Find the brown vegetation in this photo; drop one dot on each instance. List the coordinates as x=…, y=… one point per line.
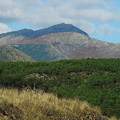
x=31, y=105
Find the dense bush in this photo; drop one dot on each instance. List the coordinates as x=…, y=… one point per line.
x=96, y=81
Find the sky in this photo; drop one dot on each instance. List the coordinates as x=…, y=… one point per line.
x=99, y=18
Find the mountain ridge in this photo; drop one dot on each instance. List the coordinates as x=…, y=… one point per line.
x=61, y=41
x=52, y=29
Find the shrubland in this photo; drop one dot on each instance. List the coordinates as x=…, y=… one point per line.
x=96, y=81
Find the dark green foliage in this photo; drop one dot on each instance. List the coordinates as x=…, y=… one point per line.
x=96, y=81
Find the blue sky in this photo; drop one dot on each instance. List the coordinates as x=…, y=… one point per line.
x=99, y=18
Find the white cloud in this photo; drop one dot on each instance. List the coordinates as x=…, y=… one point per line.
x=9, y=10
x=4, y=28
x=100, y=15
x=83, y=13
x=25, y=10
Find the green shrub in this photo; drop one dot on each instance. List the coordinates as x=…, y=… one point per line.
x=94, y=80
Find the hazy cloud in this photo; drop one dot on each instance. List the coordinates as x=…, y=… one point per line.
x=4, y=28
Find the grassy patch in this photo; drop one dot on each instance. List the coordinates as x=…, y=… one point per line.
x=31, y=105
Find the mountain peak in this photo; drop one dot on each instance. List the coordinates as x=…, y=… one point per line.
x=62, y=27
x=64, y=24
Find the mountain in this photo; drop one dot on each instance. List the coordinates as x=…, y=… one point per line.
x=11, y=54
x=28, y=33
x=61, y=41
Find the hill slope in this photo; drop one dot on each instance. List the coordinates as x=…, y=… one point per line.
x=68, y=46
x=11, y=54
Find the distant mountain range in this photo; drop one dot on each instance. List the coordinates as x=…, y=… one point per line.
x=62, y=41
